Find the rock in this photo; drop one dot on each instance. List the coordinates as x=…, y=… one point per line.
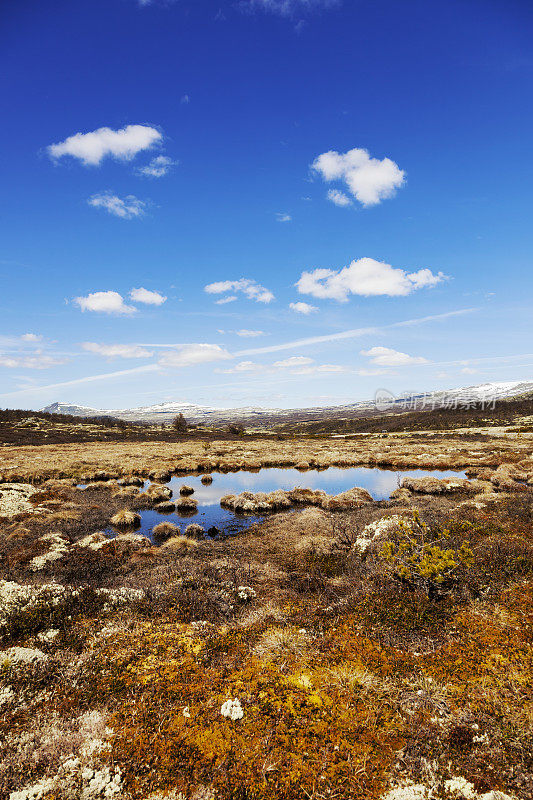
x=206, y=479
x=186, y=490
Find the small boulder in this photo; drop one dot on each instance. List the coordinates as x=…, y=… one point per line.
x=186, y=490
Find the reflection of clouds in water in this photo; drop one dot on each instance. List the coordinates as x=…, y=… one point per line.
x=379, y=482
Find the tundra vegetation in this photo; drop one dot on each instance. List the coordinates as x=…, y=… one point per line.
x=343, y=648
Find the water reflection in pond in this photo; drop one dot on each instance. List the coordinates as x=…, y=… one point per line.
x=379, y=482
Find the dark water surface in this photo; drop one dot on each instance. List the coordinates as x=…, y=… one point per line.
x=379, y=482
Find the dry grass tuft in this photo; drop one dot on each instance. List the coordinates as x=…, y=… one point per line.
x=126, y=519
x=165, y=530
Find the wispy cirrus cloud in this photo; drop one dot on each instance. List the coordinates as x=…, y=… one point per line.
x=92, y=147
x=117, y=350
x=38, y=360
x=129, y=207
x=370, y=180
x=158, y=167
x=366, y=277
x=288, y=8
x=188, y=355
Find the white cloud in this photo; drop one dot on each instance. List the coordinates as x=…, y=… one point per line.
x=223, y=300
x=321, y=368
x=31, y=337
x=146, y=296
x=287, y=8
x=293, y=361
x=128, y=207
x=244, y=332
x=37, y=361
x=368, y=179
x=243, y=366
x=386, y=357
x=283, y=217
x=187, y=355
x=105, y=302
x=468, y=371
x=366, y=277
x=303, y=308
x=339, y=198
x=92, y=147
x=371, y=372
x=251, y=289
x=185, y=100
x=117, y=350
x=157, y=167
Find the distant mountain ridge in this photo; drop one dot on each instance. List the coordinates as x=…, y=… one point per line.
x=384, y=403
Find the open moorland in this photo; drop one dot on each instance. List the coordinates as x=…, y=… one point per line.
x=341, y=648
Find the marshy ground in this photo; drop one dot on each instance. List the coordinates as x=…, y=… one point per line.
x=383, y=650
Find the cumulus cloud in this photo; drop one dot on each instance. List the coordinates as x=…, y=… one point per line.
x=157, y=167
x=146, y=296
x=369, y=180
x=188, y=355
x=104, y=302
x=293, y=361
x=365, y=277
x=288, y=8
x=229, y=299
x=339, y=198
x=303, y=308
x=117, y=350
x=386, y=357
x=128, y=207
x=90, y=148
x=251, y=289
x=283, y=217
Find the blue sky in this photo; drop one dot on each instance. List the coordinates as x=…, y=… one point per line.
x=351, y=179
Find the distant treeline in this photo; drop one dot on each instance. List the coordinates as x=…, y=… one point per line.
x=506, y=412
x=19, y=414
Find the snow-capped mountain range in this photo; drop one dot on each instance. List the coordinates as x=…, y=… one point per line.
x=384, y=402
